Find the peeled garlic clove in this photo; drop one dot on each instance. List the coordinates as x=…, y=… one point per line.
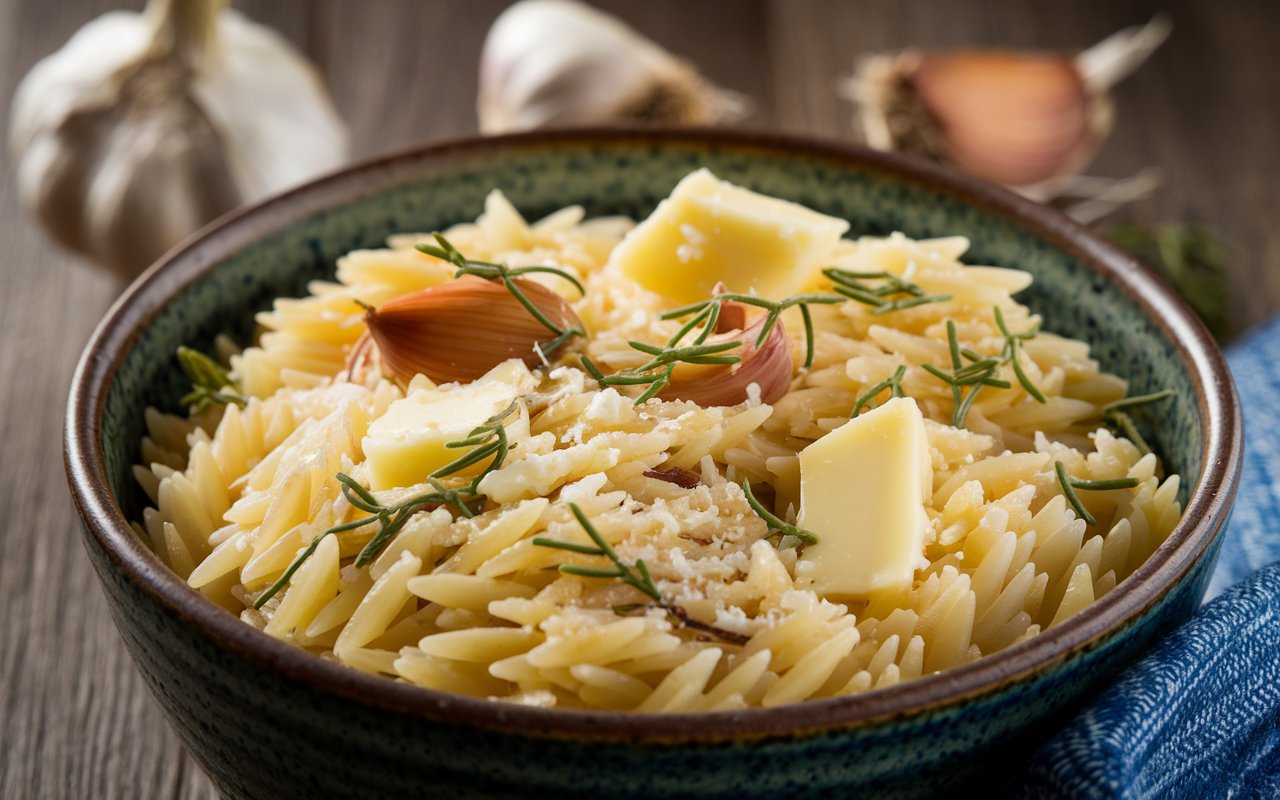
x=559, y=62
x=1027, y=120
x=768, y=366
x=458, y=331
x=146, y=126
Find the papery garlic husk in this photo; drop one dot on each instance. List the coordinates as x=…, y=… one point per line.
x=768, y=366
x=458, y=331
x=551, y=63
x=143, y=127
x=1030, y=121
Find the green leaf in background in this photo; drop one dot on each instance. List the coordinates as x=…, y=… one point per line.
x=1191, y=258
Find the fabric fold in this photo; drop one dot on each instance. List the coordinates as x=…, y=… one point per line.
x=1199, y=717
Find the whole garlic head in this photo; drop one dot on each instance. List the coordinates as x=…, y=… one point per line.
x=143, y=127
x=1028, y=120
x=559, y=62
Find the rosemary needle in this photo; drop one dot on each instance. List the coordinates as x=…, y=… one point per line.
x=209, y=382
x=1137, y=400
x=792, y=536
x=773, y=312
x=883, y=291
x=1012, y=348
x=892, y=383
x=1070, y=485
x=634, y=575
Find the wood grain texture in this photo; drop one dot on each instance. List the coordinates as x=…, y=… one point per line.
x=75, y=719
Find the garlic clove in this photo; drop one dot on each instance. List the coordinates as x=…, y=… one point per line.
x=560, y=62
x=458, y=331
x=768, y=366
x=1028, y=120
x=146, y=126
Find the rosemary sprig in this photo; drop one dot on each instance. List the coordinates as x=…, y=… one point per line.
x=980, y=372
x=390, y=518
x=1070, y=485
x=657, y=371
x=792, y=536
x=209, y=382
x=893, y=383
x=635, y=575
x=489, y=439
x=773, y=312
x=1012, y=348
x=500, y=272
x=1117, y=413
x=883, y=291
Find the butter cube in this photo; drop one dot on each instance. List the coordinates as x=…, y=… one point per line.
x=407, y=443
x=862, y=492
x=710, y=231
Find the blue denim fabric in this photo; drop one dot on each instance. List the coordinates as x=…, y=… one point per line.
x=1200, y=716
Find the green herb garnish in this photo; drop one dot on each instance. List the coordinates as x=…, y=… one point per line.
x=489, y=439
x=209, y=382
x=1117, y=413
x=657, y=371
x=774, y=311
x=792, y=536
x=500, y=272
x=1193, y=259
x=893, y=383
x=634, y=575
x=1012, y=348
x=1070, y=485
x=978, y=373
x=1136, y=400
x=883, y=291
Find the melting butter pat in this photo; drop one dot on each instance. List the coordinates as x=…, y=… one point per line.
x=407, y=443
x=709, y=231
x=862, y=492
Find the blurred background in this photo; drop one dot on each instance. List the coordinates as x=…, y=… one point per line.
x=1191, y=173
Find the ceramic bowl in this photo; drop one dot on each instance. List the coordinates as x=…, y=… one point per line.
x=267, y=720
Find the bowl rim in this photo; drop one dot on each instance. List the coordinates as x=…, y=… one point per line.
x=200, y=254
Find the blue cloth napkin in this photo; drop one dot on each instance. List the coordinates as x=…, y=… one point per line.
x=1200, y=716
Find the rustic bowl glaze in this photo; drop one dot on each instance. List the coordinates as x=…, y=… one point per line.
x=265, y=719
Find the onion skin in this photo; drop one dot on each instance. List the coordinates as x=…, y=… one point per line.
x=768, y=366
x=458, y=331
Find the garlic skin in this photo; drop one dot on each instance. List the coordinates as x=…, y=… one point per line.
x=1030, y=121
x=551, y=63
x=144, y=127
x=457, y=331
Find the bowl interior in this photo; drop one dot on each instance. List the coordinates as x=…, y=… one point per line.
x=292, y=244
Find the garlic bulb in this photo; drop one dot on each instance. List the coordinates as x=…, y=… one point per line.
x=559, y=62
x=459, y=330
x=143, y=127
x=1028, y=120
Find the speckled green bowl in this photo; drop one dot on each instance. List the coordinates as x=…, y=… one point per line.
x=267, y=720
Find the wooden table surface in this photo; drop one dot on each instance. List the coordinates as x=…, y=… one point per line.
x=75, y=718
